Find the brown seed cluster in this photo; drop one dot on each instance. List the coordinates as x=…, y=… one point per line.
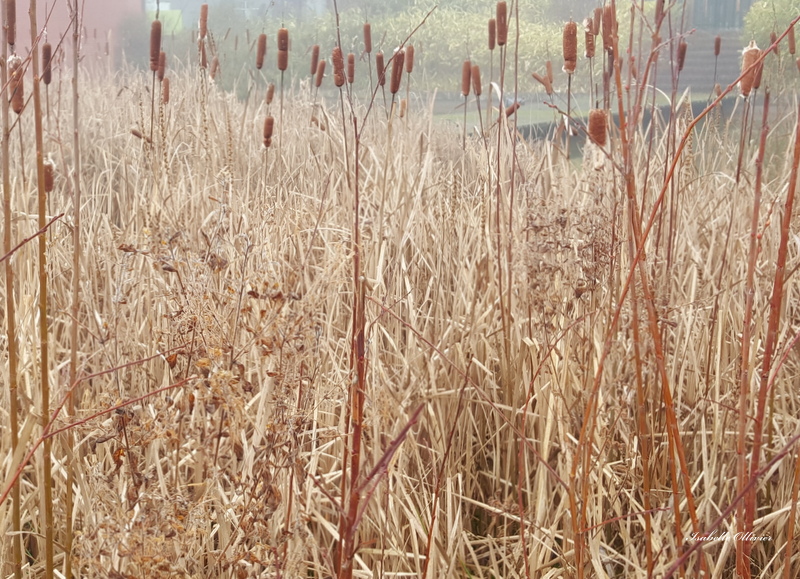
x=351, y=68
x=409, y=58
x=338, y=66
x=270, y=94
x=588, y=38
x=570, y=46
x=381, y=66
x=261, y=50
x=162, y=66
x=609, y=25
x=367, y=38
x=476, y=80
x=597, y=126
x=501, y=15
x=283, y=49
x=466, y=76
x=15, y=84
x=11, y=21
x=165, y=91
x=790, y=37
x=155, y=44
x=682, y=47
x=749, y=56
x=47, y=60
x=320, y=73
x=397, y=70
x=492, y=33
x=717, y=45
x=203, y=21
x=269, y=125
x=314, y=59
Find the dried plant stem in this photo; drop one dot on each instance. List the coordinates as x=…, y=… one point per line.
x=787, y=558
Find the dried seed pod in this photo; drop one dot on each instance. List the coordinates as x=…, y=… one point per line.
x=749, y=56
x=155, y=44
x=270, y=94
x=717, y=45
x=758, y=74
x=588, y=39
x=476, y=80
x=314, y=59
x=47, y=60
x=792, y=46
x=570, y=46
x=502, y=23
x=203, y=21
x=682, y=47
x=797, y=62
x=609, y=26
x=214, y=67
x=403, y=106
x=718, y=90
x=261, y=50
x=397, y=70
x=11, y=21
x=201, y=46
x=380, y=65
x=367, y=38
x=548, y=67
x=283, y=60
x=543, y=80
x=466, y=77
x=773, y=37
x=162, y=65
x=409, y=58
x=492, y=33
x=165, y=90
x=283, y=39
x=15, y=84
x=351, y=67
x=48, y=176
x=338, y=66
x=513, y=108
x=320, y=73
x=269, y=125
x=597, y=20
x=597, y=126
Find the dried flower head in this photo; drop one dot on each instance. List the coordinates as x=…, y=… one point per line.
x=570, y=46
x=466, y=77
x=749, y=57
x=338, y=66
x=502, y=23
x=261, y=50
x=367, y=38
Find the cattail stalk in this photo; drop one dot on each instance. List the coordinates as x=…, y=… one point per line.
x=269, y=125
x=717, y=50
x=162, y=65
x=570, y=53
x=492, y=43
x=380, y=69
x=16, y=85
x=682, y=47
x=338, y=67
x=409, y=64
x=368, y=49
x=791, y=41
x=283, y=63
x=155, y=52
x=397, y=76
x=466, y=81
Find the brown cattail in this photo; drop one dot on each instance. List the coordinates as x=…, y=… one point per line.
x=261, y=50
x=351, y=67
x=397, y=70
x=492, y=33
x=314, y=59
x=570, y=46
x=513, y=108
x=269, y=125
x=717, y=45
x=283, y=39
x=718, y=90
x=797, y=62
x=609, y=25
x=588, y=38
x=466, y=77
x=410, y=58
x=165, y=90
x=270, y=94
x=367, y=38
x=758, y=74
x=283, y=60
x=338, y=66
x=545, y=82
x=201, y=45
x=597, y=126
x=790, y=37
x=162, y=65
x=15, y=84
x=47, y=60
x=320, y=73
x=11, y=21
x=203, y=21
x=403, y=106
x=379, y=64
x=773, y=37
x=502, y=23
x=476, y=80
x=597, y=20
x=749, y=56
x=682, y=46
x=49, y=168
x=155, y=44
x=214, y=67
x=548, y=67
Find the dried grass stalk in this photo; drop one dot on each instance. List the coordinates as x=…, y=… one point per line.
x=271, y=93
x=351, y=67
x=338, y=66
x=320, y=74
x=682, y=47
x=409, y=58
x=749, y=56
x=381, y=66
x=466, y=76
x=47, y=60
x=717, y=45
x=165, y=90
x=261, y=50
x=588, y=38
x=570, y=46
x=502, y=23
x=162, y=65
x=314, y=59
x=397, y=70
x=476, y=80
x=367, y=38
x=203, y=21
x=597, y=126
x=155, y=44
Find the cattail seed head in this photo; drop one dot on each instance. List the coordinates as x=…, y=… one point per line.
x=11, y=21
x=717, y=45
x=609, y=25
x=718, y=90
x=201, y=46
x=749, y=56
x=588, y=38
x=165, y=90
x=492, y=33
x=682, y=47
x=367, y=38
x=283, y=60
x=597, y=20
x=513, y=108
x=203, y=21
x=548, y=67
x=409, y=58
x=570, y=46
x=466, y=77
x=403, y=107
x=162, y=65
x=314, y=59
x=269, y=125
x=597, y=126
x=261, y=50
x=351, y=67
x=47, y=60
x=155, y=44
x=758, y=74
x=320, y=73
x=214, y=67
x=790, y=37
x=397, y=70
x=49, y=170
x=380, y=65
x=15, y=84
x=502, y=23
x=476, y=80
x=283, y=39
x=270, y=94
x=773, y=37
x=338, y=66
